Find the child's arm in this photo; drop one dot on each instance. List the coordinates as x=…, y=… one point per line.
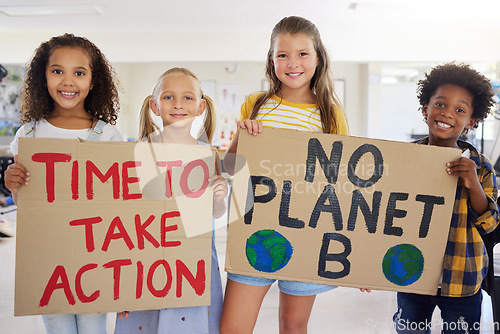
x=219, y=186
x=482, y=189
x=254, y=128
x=466, y=169
x=16, y=176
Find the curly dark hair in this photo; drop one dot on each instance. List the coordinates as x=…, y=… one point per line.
x=464, y=76
x=101, y=102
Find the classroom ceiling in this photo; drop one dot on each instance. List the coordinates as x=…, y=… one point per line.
x=232, y=30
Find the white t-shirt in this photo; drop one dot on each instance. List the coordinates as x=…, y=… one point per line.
x=46, y=130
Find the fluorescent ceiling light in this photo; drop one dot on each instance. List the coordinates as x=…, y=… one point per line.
x=50, y=10
x=388, y=80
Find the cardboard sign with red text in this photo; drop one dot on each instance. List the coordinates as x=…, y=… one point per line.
x=340, y=210
x=113, y=226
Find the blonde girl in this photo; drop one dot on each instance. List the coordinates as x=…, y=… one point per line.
x=177, y=99
x=300, y=97
x=151, y=102
x=69, y=92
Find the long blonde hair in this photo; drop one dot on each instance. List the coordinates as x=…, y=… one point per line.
x=321, y=82
x=148, y=126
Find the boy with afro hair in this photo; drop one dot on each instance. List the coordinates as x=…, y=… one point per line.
x=454, y=98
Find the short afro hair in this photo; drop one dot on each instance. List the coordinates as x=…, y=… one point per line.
x=464, y=76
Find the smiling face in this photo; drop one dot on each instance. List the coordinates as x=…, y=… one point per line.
x=177, y=101
x=295, y=61
x=448, y=114
x=69, y=78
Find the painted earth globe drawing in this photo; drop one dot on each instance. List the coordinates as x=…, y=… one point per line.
x=403, y=264
x=268, y=251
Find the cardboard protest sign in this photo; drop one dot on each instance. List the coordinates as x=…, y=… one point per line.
x=113, y=226
x=340, y=210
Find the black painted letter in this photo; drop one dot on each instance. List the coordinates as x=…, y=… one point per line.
x=330, y=166
x=324, y=256
x=371, y=216
x=252, y=199
x=334, y=207
x=429, y=201
x=284, y=217
x=392, y=213
x=378, y=169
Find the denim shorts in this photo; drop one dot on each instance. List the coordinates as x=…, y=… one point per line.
x=289, y=287
x=94, y=323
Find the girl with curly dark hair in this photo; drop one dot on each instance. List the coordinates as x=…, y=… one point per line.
x=69, y=92
x=100, y=102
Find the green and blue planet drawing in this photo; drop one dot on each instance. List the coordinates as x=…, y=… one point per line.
x=403, y=264
x=269, y=251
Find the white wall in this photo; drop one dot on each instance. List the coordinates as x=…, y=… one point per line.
x=394, y=112
x=355, y=104
x=362, y=43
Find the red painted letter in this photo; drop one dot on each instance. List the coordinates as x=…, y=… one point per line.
x=89, y=233
x=74, y=180
x=112, y=172
x=168, y=176
x=78, y=285
x=122, y=234
x=126, y=179
x=52, y=285
x=142, y=233
x=168, y=284
x=197, y=283
x=165, y=229
x=185, y=175
x=50, y=160
x=140, y=280
x=117, y=265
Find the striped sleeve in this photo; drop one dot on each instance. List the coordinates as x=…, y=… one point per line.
x=278, y=113
x=246, y=107
x=342, y=126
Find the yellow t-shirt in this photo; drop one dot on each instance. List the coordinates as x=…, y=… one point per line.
x=282, y=114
